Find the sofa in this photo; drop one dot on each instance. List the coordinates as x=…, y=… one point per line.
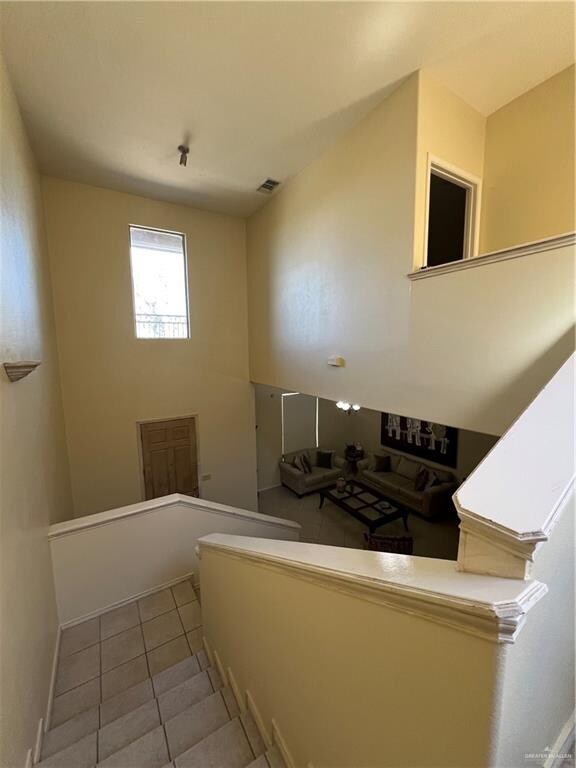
x=395, y=476
x=302, y=482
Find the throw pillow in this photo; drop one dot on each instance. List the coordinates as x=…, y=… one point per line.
x=432, y=480
x=421, y=479
x=408, y=469
x=298, y=464
x=306, y=466
x=381, y=463
x=324, y=459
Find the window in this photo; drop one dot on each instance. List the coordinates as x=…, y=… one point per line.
x=451, y=215
x=159, y=284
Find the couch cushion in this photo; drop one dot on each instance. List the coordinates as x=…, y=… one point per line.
x=382, y=463
x=421, y=478
x=320, y=474
x=408, y=468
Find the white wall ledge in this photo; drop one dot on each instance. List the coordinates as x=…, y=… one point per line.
x=526, y=249
x=80, y=524
x=510, y=503
x=491, y=608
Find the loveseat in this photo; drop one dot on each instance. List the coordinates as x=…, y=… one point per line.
x=395, y=477
x=301, y=481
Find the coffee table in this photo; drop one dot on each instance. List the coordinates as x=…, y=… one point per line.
x=365, y=504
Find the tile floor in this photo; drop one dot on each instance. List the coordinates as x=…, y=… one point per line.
x=332, y=525
x=121, y=650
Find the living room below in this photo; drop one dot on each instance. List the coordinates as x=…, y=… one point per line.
x=355, y=477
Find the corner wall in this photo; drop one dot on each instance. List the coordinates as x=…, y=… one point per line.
x=529, y=169
x=34, y=481
x=111, y=380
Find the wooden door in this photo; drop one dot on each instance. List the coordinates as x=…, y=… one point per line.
x=169, y=457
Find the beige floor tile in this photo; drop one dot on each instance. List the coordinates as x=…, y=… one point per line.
x=168, y=654
x=119, y=620
x=195, y=723
x=162, y=629
x=127, y=729
x=122, y=648
x=175, y=675
x=186, y=694
x=126, y=701
x=195, y=640
x=191, y=615
x=149, y=751
x=154, y=605
x=123, y=677
x=203, y=659
x=82, y=754
x=227, y=746
x=183, y=593
x=260, y=762
x=70, y=732
x=75, y=701
x=79, y=637
x=77, y=668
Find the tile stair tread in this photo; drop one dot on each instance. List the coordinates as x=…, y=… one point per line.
x=260, y=762
x=227, y=747
x=81, y=754
x=87, y=722
x=149, y=751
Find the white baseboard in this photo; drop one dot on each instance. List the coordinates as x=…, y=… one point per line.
x=279, y=741
x=269, y=487
x=28, y=763
x=39, y=738
x=127, y=600
x=48, y=717
x=257, y=717
x=561, y=744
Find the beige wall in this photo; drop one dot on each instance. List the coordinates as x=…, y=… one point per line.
x=449, y=130
x=111, y=380
x=529, y=170
x=363, y=676
x=327, y=263
x=538, y=696
x=268, y=434
x=34, y=483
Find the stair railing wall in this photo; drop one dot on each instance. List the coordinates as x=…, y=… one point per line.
x=102, y=560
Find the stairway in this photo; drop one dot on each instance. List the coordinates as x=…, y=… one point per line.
x=134, y=689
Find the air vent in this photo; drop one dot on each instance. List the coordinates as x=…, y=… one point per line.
x=268, y=186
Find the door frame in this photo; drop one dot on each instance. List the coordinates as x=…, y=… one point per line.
x=139, y=422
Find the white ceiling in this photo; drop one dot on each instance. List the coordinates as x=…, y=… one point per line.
x=109, y=89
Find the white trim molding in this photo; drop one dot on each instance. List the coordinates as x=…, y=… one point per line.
x=145, y=507
x=510, y=503
x=493, y=609
x=514, y=252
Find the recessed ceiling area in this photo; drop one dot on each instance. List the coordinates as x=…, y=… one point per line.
x=108, y=90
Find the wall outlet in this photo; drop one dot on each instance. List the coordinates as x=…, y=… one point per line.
x=205, y=477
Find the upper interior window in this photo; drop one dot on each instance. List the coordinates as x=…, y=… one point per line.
x=451, y=226
x=159, y=284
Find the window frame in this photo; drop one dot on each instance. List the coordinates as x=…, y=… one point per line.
x=473, y=186
x=186, y=287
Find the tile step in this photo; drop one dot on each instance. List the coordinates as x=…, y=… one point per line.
x=181, y=693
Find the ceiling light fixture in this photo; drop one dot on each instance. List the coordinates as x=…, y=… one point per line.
x=347, y=407
x=183, y=149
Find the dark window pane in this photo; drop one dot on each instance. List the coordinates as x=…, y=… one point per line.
x=446, y=221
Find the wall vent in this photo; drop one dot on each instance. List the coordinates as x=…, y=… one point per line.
x=268, y=186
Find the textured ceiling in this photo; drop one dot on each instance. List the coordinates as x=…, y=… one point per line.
x=109, y=89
